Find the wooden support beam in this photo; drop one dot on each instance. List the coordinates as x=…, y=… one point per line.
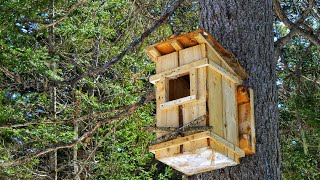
x=179, y=70
x=154, y=52
x=176, y=45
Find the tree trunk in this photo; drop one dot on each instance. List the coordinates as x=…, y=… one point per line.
x=245, y=28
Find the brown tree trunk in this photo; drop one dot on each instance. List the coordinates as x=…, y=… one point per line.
x=245, y=28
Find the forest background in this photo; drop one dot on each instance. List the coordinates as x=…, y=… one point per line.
x=75, y=96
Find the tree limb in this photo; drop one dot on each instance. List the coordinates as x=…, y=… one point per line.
x=176, y=132
x=133, y=44
x=126, y=112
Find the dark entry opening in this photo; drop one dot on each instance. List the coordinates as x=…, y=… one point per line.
x=179, y=87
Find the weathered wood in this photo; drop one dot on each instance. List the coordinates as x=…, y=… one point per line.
x=246, y=119
x=180, y=129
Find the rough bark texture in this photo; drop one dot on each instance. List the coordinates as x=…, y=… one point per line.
x=245, y=28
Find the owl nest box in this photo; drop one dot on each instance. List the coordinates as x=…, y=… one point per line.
x=196, y=78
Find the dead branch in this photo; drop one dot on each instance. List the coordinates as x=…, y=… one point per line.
x=170, y=129
x=11, y=75
x=176, y=132
x=126, y=112
x=133, y=44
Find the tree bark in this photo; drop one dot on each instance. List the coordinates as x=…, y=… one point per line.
x=245, y=28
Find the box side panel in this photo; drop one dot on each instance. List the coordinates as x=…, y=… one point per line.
x=230, y=115
x=215, y=108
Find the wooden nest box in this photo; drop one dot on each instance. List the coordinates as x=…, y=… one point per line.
x=205, y=117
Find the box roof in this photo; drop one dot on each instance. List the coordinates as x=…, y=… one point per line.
x=192, y=39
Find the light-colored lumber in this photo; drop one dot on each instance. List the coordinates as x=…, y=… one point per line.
x=179, y=141
x=230, y=146
x=215, y=101
x=176, y=45
x=167, y=62
x=193, y=82
x=227, y=57
x=177, y=102
x=179, y=70
x=161, y=98
x=226, y=74
x=154, y=52
x=192, y=54
x=197, y=64
x=230, y=113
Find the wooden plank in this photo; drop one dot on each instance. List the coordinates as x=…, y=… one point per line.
x=215, y=101
x=246, y=120
x=154, y=52
x=177, y=102
x=176, y=45
x=161, y=98
x=166, y=62
x=195, y=53
x=229, y=145
x=179, y=141
x=193, y=82
x=230, y=113
x=253, y=127
x=226, y=74
x=179, y=70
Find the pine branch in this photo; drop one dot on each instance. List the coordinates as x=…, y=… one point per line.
x=132, y=45
x=125, y=113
